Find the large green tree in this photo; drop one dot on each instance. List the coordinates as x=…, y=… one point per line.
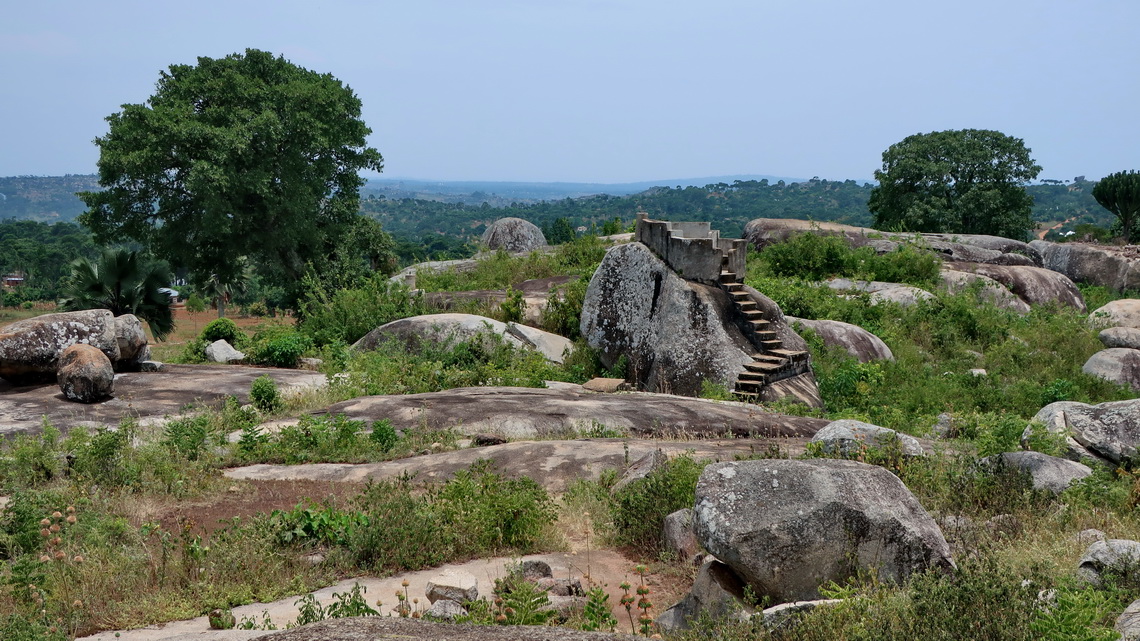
x=967, y=181
x=1119, y=193
x=247, y=155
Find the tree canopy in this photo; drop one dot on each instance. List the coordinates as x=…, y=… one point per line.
x=969, y=181
x=247, y=155
x=1119, y=193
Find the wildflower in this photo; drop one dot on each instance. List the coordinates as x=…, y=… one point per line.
x=71, y=519
x=45, y=533
x=56, y=515
x=77, y=604
x=56, y=541
x=59, y=556
x=43, y=559
x=54, y=527
x=502, y=618
x=78, y=558
x=45, y=522
x=416, y=615
x=71, y=509
x=405, y=583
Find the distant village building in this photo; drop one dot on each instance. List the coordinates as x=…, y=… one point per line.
x=13, y=280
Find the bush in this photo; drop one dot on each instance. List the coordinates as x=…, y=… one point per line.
x=264, y=395
x=813, y=256
x=278, y=346
x=640, y=508
x=222, y=329
x=347, y=315
x=563, y=313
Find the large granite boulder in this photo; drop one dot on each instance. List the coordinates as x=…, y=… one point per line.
x=1034, y=285
x=30, y=349
x=513, y=235
x=988, y=289
x=1091, y=264
x=1108, y=432
x=855, y=340
x=133, y=347
x=1120, y=337
x=881, y=292
x=1118, y=313
x=675, y=333
x=85, y=374
x=789, y=526
x=444, y=328
x=1120, y=365
x=1118, y=557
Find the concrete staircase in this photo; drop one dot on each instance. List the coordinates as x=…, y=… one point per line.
x=772, y=362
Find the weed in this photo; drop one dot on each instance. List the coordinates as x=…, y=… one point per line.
x=264, y=395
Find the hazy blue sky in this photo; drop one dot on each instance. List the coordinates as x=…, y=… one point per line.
x=611, y=91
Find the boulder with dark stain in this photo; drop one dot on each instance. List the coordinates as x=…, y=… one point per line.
x=30, y=349
x=85, y=374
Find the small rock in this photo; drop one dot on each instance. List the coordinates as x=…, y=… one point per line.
x=677, y=534
x=978, y=371
x=483, y=440
x=535, y=569
x=151, y=366
x=561, y=587
x=314, y=559
x=85, y=374
x=606, y=385
x=1089, y=536
x=221, y=351
x=640, y=469
x=784, y=616
x=453, y=585
x=944, y=427
x=311, y=364
x=445, y=610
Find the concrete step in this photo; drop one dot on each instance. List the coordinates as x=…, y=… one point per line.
x=751, y=376
x=740, y=296
x=746, y=305
x=727, y=277
x=765, y=368
x=732, y=287
x=753, y=315
x=750, y=386
x=792, y=355
x=768, y=358
x=763, y=334
x=772, y=345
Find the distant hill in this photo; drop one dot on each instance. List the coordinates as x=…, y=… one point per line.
x=414, y=209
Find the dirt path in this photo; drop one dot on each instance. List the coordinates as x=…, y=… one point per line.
x=1041, y=233
x=605, y=567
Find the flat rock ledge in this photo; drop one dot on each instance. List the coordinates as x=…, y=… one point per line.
x=567, y=409
x=377, y=628
x=554, y=464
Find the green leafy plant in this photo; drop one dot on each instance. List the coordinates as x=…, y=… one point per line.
x=222, y=329
x=264, y=395
x=513, y=307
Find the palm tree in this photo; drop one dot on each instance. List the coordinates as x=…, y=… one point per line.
x=124, y=282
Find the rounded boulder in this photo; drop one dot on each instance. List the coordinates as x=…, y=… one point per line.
x=788, y=527
x=85, y=374
x=513, y=235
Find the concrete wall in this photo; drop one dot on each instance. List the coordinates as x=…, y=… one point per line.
x=693, y=249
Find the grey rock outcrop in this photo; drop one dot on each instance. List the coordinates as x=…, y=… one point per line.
x=786, y=615
x=717, y=591
x=1091, y=264
x=989, y=290
x=220, y=351
x=674, y=333
x=1116, y=556
x=855, y=340
x=1107, y=432
x=30, y=349
x=1120, y=365
x=85, y=374
x=789, y=526
x=1120, y=337
x=1118, y=313
x=881, y=292
x=445, y=610
x=1033, y=285
x=762, y=232
x=1047, y=473
x=513, y=235
x=444, y=328
x=847, y=437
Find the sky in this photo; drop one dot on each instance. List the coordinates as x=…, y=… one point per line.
x=610, y=91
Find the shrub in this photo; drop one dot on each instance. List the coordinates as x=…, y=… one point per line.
x=513, y=307
x=222, y=329
x=563, y=313
x=264, y=395
x=384, y=435
x=278, y=346
x=346, y=315
x=640, y=508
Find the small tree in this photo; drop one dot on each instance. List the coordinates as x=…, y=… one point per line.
x=1120, y=194
x=124, y=282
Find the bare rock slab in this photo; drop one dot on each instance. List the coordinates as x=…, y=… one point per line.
x=444, y=328
x=847, y=437
x=375, y=628
x=567, y=409
x=789, y=526
x=85, y=374
x=855, y=340
x=1047, y=473
x=30, y=349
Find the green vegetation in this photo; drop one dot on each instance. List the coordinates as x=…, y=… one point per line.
x=243, y=156
x=817, y=257
x=42, y=253
x=968, y=181
x=1119, y=193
